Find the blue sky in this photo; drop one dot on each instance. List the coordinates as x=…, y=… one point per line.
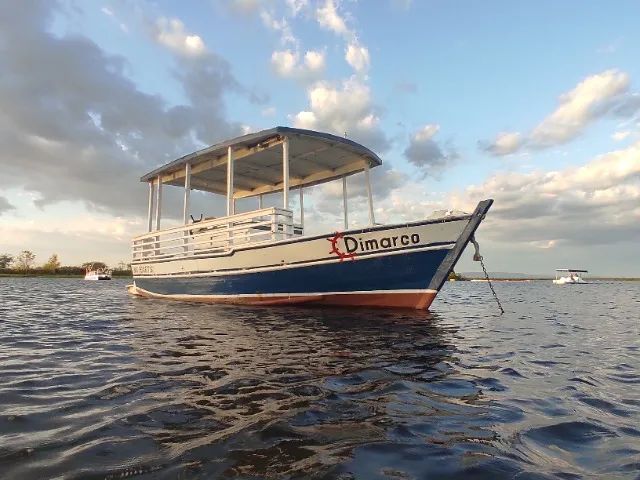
x=462, y=100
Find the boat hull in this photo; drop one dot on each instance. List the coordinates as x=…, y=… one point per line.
x=389, y=266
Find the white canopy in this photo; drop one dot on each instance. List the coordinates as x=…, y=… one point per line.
x=313, y=158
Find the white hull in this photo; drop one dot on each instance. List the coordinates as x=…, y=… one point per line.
x=96, y=277
x=568, y=281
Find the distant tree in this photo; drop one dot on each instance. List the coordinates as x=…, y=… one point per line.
x=5, y=260
x=94, y=265
x=24, y=261
x=52, y=265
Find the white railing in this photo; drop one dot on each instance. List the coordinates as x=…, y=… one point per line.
x=216, y=235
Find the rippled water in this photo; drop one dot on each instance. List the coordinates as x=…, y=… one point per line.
x=95, y=384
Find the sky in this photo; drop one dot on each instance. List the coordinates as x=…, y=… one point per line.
x=536, y=105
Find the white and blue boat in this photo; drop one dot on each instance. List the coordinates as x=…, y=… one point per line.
x=263, y=257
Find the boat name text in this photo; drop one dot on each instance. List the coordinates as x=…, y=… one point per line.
x=354, y=244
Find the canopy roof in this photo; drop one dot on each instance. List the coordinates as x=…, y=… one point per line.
x=576, y=270
x=314, y=157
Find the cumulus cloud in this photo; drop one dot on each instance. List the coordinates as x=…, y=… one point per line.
x=329, y=18
x=505, y=143
x=344, y=109
x=426, y=154
x=279, y=25
x=593, y=204
x=5, y=205
x=287, y=64
x=297, y=6
x=599, y=95
x=357, y=56
x=73, y=125
x=171, y=33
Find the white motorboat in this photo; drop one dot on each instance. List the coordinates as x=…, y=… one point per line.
x=97, y=273
x=571, y=276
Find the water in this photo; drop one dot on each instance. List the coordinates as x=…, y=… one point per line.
x=95, y=384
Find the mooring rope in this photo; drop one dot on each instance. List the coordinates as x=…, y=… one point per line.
x=478, y=258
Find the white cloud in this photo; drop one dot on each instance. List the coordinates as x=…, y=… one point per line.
x=358, y=57
x=505, y=143
x=287, y=63
x=297, y=6
x=596, y=203
x=619, y=136
x=329, y=18
x=343, y=109
x=589, y=100
x=599, y=95
x=171, y=33
x=281, y=26
x=314, y=60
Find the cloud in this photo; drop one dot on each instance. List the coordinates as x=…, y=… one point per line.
x=245, y=6
x=287, y=64
x=281, y=26
x=599, y=95
x=357, y=56
x=5, y=206
x=342, y=109
x=619, y=136
x=297, y=6
x=595, y=204
x=426, y=154
x=505, y=143
x=74, y=126
x=170, y=32
x=329, y=18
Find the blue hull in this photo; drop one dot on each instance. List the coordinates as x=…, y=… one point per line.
x=407, y=271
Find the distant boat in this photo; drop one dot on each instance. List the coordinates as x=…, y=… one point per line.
x=572, y=276
x=263, y=257
x=97, y=273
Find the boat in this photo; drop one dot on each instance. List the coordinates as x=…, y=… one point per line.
x=97, y=273
x=263, y=256
x=572, y=276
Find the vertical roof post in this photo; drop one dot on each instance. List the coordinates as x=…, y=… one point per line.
x=230, y=209
x=372, y=219
x=301, y=207
x=260, y=202
x=344, y=202
x=187, y=192
x=285, y=173
x=150, y=214
x=158, y=202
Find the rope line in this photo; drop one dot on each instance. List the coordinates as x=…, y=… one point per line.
x=478, y=258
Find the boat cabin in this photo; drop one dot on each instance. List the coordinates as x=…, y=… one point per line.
x=280, y=159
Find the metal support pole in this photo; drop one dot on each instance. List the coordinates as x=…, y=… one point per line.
x=372, y=219
x=259, y=202
x=150, y=215
x=230, y=209
x=285, y=173
x=344, y=203
x=158, y=202
x=187, y=193
x=301, y=208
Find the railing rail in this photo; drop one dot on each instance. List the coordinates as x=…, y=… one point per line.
x=215, y=235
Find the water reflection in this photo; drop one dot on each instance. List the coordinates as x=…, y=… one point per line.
x=95, y=384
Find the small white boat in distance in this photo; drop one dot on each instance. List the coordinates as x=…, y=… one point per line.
x=572, y=276
x=97, y=273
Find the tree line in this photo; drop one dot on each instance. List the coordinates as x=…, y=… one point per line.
x=25, y=263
